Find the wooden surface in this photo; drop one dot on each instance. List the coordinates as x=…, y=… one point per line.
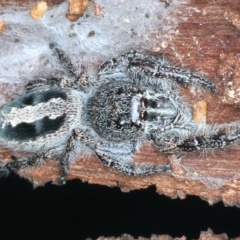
x=206, y=40
x=203, y=236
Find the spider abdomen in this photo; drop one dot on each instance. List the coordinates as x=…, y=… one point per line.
x=40, y=119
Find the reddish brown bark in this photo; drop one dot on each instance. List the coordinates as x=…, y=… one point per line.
x=203, y=236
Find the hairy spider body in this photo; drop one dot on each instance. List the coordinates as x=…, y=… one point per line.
x=34, y=120
x=135, y=98
x=130, y=111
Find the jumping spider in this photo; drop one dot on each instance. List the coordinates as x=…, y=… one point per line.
x=133, y=98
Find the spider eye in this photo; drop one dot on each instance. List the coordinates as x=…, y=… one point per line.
x=145, y=102
x=145, y=115
x=149, y=103
x=121, y=122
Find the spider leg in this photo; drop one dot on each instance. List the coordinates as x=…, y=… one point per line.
x=66, y=157
x=214, y=141
x=65, y=61
x=151, y=69
x=64, y=160
x=206, y=137
x=118, y=161
x=157, y=70
x=64, y=167
x=19, y=164
x=43, y=82
x=72, y=80
x=120, y=63
x=118, y=155
x=61, y=82
x=78, y=81
x=81, y=83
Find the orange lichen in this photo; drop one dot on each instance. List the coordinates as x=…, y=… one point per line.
x=200, y=111
x=76, y=9
x=97, y=9
x=2, y=26
x=38, y=10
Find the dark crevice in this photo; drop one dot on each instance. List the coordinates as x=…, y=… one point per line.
x=79, y=210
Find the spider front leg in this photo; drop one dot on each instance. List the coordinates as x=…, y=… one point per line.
x=220, y=138
x=206, y=137
x=161, y=69
x=118, y=65
x=118, y=156
x=151, y=70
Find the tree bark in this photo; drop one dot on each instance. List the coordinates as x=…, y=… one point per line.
x=203, y=236
x=206, y=40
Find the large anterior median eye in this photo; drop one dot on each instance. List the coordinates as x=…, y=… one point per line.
x=149, y=103
x=145, y=115
x=145, y=102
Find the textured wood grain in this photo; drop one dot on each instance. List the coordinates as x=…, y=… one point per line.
x=203, y=236
x=206, y=40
